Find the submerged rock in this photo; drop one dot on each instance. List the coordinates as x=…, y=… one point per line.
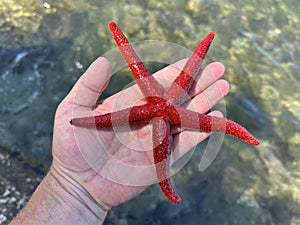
x=17, y=183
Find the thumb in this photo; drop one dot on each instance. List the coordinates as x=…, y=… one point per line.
x=91, y=84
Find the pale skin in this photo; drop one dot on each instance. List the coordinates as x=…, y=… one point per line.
x=73, y=192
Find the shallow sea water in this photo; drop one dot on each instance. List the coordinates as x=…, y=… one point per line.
x=46, y=45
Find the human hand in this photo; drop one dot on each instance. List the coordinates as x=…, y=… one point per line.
x=97, y=160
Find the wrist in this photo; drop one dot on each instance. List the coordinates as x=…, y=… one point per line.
x=77, y=202
x=60, y=201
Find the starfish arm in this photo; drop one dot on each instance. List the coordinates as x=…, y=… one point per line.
x=147, y=84
x=140, y=113
x=161, y=141
x=179, y=89
x=193, y=120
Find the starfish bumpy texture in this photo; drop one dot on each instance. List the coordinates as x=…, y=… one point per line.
x=163, y=108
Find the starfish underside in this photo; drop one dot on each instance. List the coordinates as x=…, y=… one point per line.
x=163, y=108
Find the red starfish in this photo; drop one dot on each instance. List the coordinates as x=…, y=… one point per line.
x=163, y=108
